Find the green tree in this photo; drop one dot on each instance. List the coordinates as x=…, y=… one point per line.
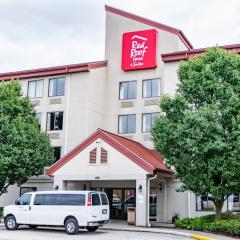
x=24, y=149
x=198, y=132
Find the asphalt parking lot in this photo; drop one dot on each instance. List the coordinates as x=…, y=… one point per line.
x=25, y=233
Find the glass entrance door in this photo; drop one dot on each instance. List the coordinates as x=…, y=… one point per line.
x=120, y=200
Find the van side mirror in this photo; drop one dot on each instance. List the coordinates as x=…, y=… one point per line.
x=17, y=202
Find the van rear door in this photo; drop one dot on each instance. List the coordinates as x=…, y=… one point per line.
x=96, y=209
x=105, y=207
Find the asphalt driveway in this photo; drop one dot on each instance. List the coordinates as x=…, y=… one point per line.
x=25, y=233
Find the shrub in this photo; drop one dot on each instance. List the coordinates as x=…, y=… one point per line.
x=229, y=224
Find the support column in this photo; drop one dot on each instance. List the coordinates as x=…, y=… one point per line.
x=141, y=201
x=60, y=184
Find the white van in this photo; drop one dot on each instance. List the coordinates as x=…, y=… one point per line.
x=71, y=209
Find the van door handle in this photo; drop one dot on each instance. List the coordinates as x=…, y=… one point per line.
x=104, y=211
x=30, y=208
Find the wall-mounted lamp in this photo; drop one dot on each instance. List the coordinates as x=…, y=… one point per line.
x=84, y=187
x=160, y=187
x=140, y=188
x=56, y=187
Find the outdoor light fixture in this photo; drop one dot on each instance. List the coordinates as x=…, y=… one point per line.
x=56, y=187
x=84, y=187
x=140, y=188
x=160, y=187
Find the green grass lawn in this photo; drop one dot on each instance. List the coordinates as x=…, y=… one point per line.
x=228, y=225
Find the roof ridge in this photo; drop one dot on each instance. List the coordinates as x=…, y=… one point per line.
x=150, y=23
x=126, y=138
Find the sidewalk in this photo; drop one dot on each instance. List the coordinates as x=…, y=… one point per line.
x=116, y=225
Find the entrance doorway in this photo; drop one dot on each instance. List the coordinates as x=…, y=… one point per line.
x=120, y=200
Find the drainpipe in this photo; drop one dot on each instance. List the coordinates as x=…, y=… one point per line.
x=67, y=114
x=165, y=200
x=148, y=197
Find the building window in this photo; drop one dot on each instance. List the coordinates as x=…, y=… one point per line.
x=104, y=156
x=27, y=189
x=127, y=90
x=127, y=124
x=56, y=86
x=93, y=156
x=148, y=121
x=204, y=203
x=35, y=89
x=234, y=203
x=56, y=153
x=54, y=121
x=151, y=88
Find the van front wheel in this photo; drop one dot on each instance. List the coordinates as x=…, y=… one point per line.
x=92, y=229
x=11, y=223
x=71, y=226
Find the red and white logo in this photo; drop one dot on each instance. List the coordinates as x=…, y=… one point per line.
x=139, y=50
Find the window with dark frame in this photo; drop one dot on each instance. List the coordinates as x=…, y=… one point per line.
x=54, y=121
x=56, y=87
x=127, y=124
x=56, y=153
x=148, y=121
x=204, y=203
x=151, y=88
x=128, y=90
x=27, y=189
x=35, y=89
x=233, y=203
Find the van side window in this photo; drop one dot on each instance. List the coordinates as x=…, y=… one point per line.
x=95, y=199
x=104, y=199
x=60, y=199
x=25, y=199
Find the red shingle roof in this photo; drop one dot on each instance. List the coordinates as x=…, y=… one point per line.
x=184, y=55
x=148, y=159
x=50, y=71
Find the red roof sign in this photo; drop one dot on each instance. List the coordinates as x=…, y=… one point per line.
x=139, y=50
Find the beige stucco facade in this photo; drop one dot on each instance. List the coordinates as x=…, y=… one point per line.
x=91, y=101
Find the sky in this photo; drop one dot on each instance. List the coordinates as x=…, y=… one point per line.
x=44, y=33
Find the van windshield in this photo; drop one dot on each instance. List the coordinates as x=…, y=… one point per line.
x=60, y=199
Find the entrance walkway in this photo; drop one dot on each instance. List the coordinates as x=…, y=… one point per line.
x=119, y=225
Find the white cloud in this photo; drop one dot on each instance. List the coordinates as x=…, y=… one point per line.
x=45, y=33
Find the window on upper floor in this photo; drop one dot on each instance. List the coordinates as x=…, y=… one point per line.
x=148, y=121
x=56, y=153
x=35, y=89
x=56, y=86
x=54, y=121
x=151, y=88
x=128, y=90
x=127, y=124
x=204, y=203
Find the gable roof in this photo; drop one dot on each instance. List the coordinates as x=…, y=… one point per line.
x=152, y=23
x=146, y=158
x=50, y=71
x=184, y=55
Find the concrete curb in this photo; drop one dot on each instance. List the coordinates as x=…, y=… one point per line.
x=176, y=233
x=151, y=230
